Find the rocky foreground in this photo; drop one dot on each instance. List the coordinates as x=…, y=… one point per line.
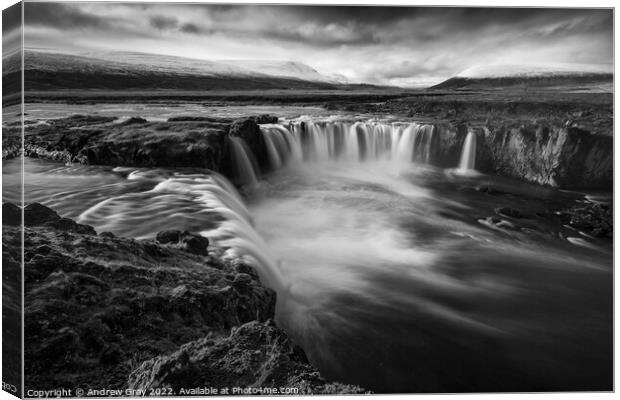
x=149, y=315
x=556, y=145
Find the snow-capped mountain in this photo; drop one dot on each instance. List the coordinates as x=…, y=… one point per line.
x=525, y=70
x=289, y=69
x=598, y=77
x=115, y=70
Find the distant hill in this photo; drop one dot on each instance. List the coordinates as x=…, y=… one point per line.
x=136, y=71
x=566, y=76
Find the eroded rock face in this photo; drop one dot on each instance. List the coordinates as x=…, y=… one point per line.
x=255, y=355
x=135, y=142
x=565, y=157
x=559, y=155
x=450, y=141
x=248, y=130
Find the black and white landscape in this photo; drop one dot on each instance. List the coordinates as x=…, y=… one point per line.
x=309, y=199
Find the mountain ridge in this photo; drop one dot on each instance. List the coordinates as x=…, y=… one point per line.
x=581, y=77
x=45, y=70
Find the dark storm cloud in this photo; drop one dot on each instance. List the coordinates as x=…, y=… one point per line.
x=61, y=16
x=459, y=17
x=190, y=28
x=11, y=29
x=365, y=25
x=162, y=22
x=11, y=18
x=366, y=43
x=326, y=26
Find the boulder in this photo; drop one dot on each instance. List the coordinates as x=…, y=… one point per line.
x=135, y=120
x=171, y=236
x=595, y=219
x=38, y=214
x=191, y=242
x=509, y=212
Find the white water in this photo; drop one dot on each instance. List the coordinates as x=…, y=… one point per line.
x=306, y=140
x=468, y=154
x=245, y=168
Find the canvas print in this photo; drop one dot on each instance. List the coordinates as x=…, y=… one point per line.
x=236, y=199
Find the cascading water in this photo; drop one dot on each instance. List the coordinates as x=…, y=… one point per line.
x=282, y=146
x=243, y=163
x=344, y=141
x=468, y=154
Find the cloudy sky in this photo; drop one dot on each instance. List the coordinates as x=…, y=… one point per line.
x=382, y=45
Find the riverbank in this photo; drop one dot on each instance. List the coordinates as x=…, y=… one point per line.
x=103, y=311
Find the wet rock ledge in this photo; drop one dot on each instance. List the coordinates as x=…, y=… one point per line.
x=109, y=312
x=545, y=152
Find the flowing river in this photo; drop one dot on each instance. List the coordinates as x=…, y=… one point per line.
x=387, y=269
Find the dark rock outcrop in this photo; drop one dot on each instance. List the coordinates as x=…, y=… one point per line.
x=69, y=225
x=556, y=156
x=198, y=142
x=135, y=120
x=592, y=218
x=564, y=157
x=38, y=214
x=139, y=143
x=11, y=214
x=191, y=118
x=264, y=119
x=450, y=144
x=98, y=306
x=183, y=239
x=509, y=212
x=548, y=153
x=255, y=355
x=11, y=143
x=248, y=130
x=12, y=305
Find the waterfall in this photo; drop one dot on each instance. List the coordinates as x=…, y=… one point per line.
x=243, y=163
x=283, y=146
x=321, y=141
x=468, y=154
x=405, y=146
